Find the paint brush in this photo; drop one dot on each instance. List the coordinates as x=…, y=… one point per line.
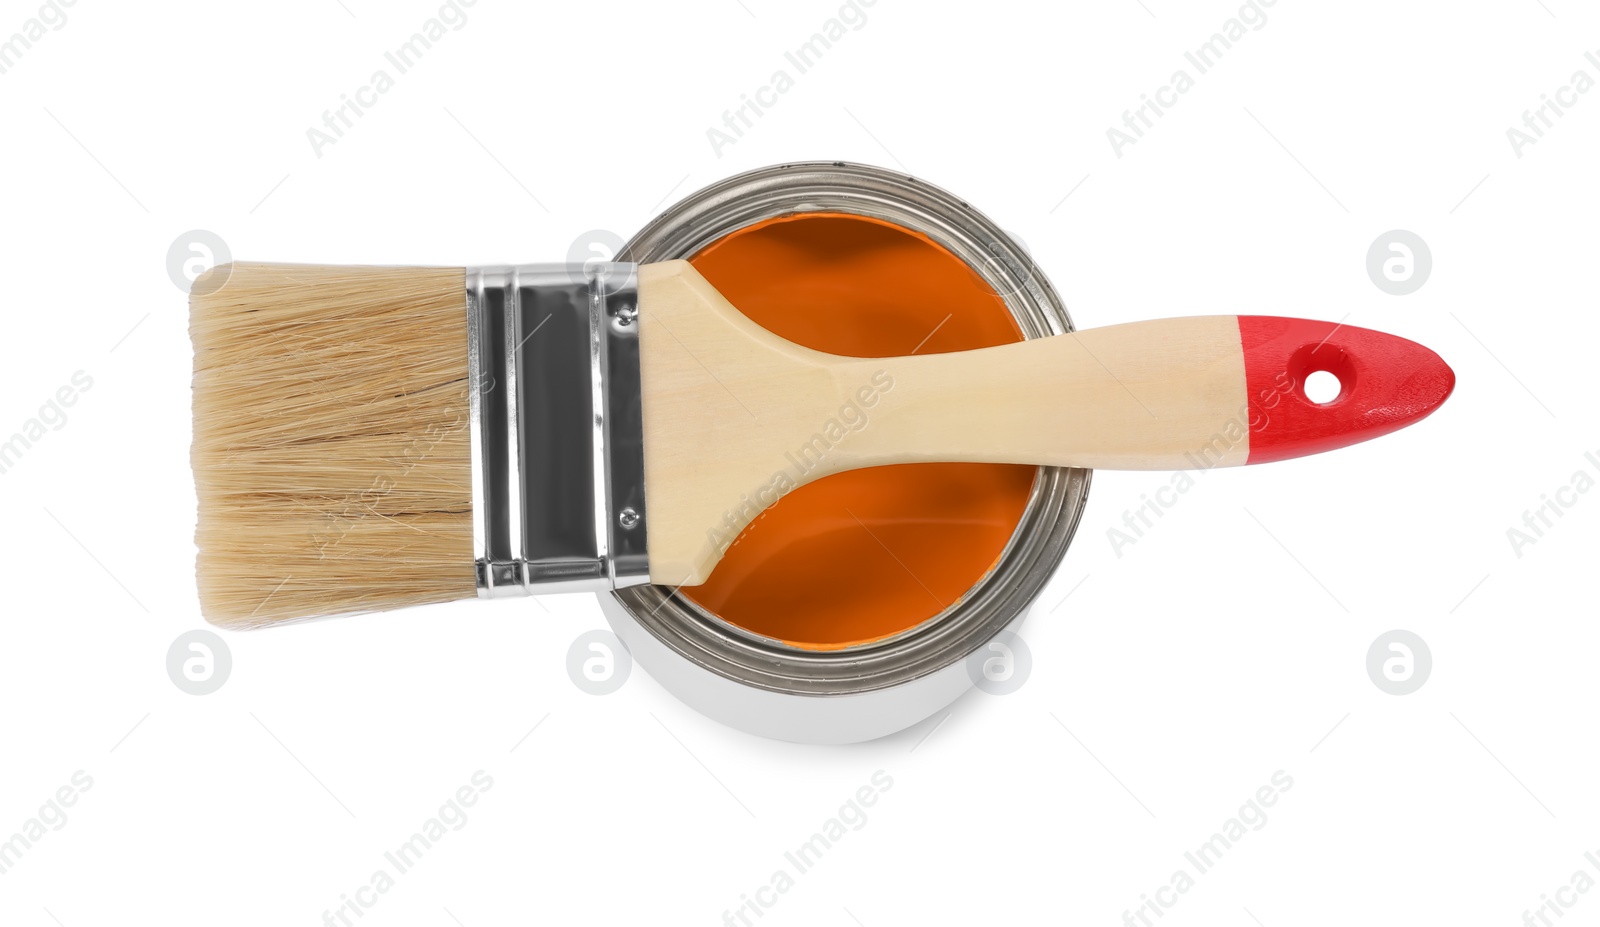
x=374, y=438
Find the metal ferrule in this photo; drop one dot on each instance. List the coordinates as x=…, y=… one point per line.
x=557, y=428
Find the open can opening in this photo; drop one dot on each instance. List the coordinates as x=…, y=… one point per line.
x=855, y=607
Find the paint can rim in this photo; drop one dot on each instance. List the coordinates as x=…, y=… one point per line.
x=1054, y=507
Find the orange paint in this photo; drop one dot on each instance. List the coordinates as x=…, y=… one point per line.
x=862, y=555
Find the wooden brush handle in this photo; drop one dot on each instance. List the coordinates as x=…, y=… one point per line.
x=735, y=417
x=1161, y=395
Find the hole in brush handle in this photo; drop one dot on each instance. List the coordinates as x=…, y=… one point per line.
x=1386, y=383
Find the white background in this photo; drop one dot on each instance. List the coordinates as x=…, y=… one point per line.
x=1167, y=684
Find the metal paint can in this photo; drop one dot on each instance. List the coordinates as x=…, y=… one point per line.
x=765, y=686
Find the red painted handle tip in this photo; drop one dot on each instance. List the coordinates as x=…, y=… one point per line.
x=1385, y=383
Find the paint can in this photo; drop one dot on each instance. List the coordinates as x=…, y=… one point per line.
x=764, y=685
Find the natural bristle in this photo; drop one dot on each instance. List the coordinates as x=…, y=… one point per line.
x=331, y=440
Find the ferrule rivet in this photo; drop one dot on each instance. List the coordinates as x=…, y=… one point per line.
x=628, y=518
